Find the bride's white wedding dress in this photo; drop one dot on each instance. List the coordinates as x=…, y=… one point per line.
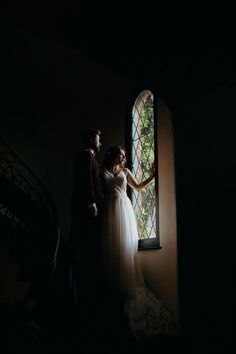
x=147, y=316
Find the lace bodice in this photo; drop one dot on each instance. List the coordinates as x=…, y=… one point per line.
x=115, y=184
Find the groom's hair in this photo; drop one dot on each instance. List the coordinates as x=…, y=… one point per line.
x=89, y=134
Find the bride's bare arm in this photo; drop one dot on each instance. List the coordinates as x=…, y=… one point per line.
x=138, y=186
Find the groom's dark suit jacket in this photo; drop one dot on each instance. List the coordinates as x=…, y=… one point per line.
x=87, y=185
x=87, y=190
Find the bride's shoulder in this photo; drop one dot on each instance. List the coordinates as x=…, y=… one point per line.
x=126, y=171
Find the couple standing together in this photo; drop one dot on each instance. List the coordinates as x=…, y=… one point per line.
x=103, y=242
x=104, y=237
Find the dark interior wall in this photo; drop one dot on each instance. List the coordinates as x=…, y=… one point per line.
x=52, y=92
x=205, y=181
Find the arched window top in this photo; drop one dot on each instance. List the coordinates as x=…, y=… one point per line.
x=144, y=97
x=142, y=114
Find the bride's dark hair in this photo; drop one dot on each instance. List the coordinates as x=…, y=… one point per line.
x=110, y=155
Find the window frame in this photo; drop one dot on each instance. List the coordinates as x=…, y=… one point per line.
x=149, y=243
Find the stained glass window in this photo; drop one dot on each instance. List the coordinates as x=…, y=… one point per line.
x=142, y=157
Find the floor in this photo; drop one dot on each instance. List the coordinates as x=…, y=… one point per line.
x=62, y=330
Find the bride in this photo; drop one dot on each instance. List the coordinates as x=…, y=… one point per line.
x=122, y=274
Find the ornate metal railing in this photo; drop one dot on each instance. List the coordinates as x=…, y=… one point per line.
x=15, y=171
x=28, y=209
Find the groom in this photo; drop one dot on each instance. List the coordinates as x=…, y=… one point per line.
x=85, y=220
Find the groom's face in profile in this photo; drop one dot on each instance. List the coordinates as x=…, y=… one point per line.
x=96, y=143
